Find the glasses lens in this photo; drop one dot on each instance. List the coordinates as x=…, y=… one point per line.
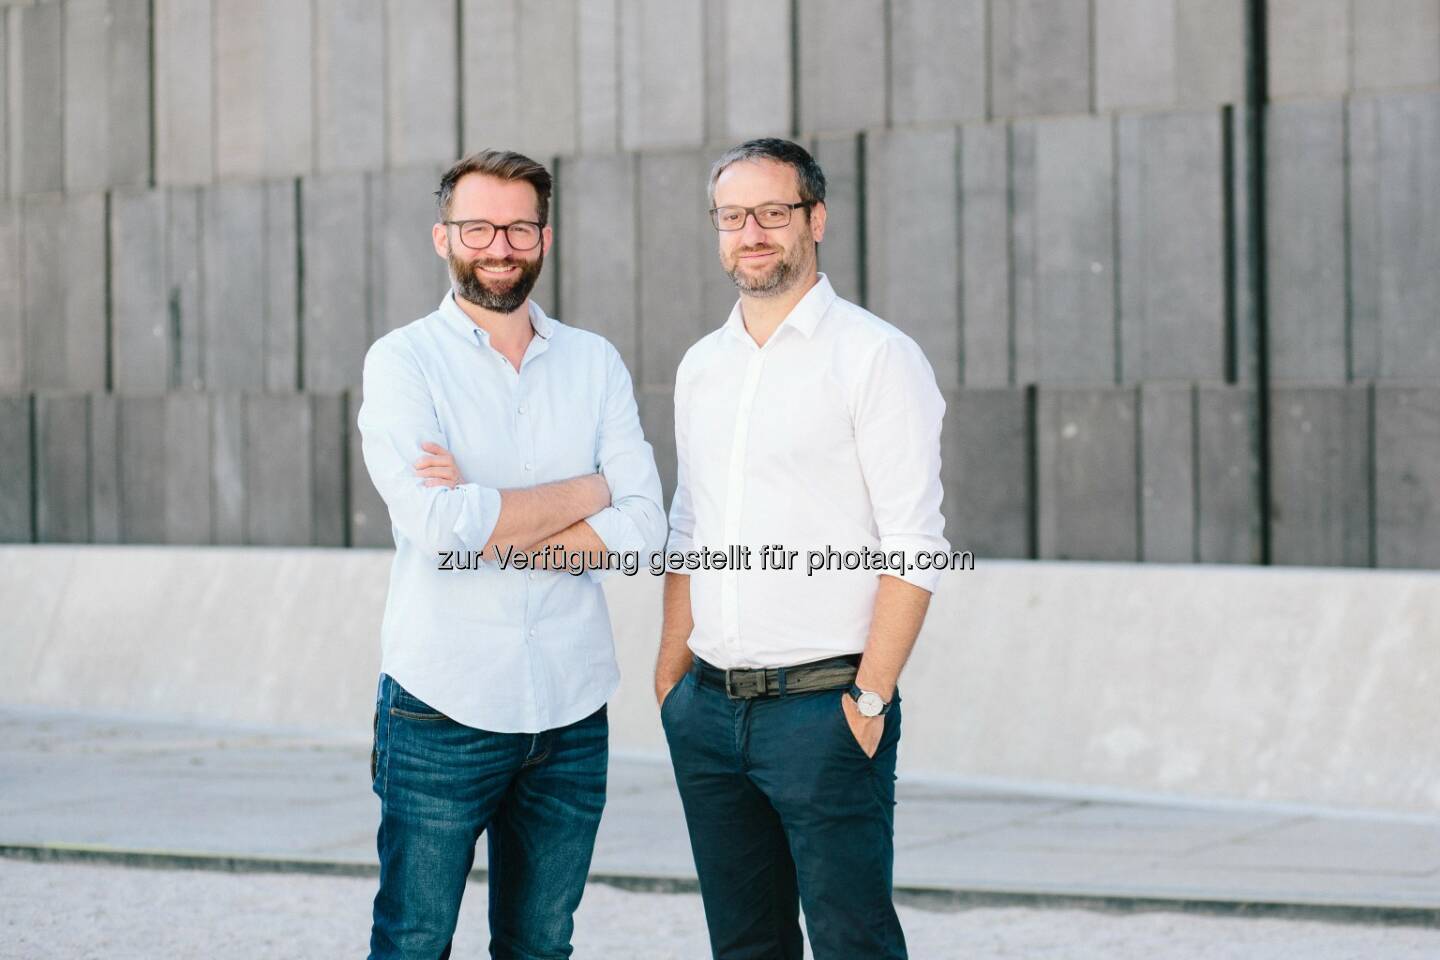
x=773, y=215
x=522, y=236
x=477, y=234
x=728, y=218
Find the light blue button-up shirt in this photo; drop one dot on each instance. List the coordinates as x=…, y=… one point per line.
x=500, y=648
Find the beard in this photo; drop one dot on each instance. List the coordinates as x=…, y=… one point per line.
x=498, y=296
x=781, y=275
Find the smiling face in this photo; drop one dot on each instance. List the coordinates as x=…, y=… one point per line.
x=767, y=262
x=498, y=278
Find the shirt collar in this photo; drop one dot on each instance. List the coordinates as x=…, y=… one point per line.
x=803, y=317
x=461, y=323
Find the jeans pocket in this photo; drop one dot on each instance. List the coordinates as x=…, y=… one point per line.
x=671, y=694
x=374, y=746
x=407, y=705
x=848, y=734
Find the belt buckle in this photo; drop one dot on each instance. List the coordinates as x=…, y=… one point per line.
x=754, y=680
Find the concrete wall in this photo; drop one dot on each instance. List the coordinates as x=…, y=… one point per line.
x=1165, y=296
x=1280, y=684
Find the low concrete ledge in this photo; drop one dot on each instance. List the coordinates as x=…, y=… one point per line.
x=1309, y=686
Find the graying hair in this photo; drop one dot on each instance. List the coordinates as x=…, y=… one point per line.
x=809, y=176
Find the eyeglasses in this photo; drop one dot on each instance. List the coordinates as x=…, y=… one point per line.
x=768, y=216
x=479, y=234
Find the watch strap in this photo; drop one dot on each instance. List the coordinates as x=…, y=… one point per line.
x=855, y=692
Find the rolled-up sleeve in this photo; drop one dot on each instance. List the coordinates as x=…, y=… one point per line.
x=635, y=519
x=396, y=416
x=898, y=415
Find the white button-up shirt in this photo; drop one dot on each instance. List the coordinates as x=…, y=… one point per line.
x=501, y=649
x=827, y=437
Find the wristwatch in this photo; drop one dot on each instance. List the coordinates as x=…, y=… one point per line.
x=868, y=702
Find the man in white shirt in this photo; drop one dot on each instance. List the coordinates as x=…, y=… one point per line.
x=810, y=425
x=492, y=430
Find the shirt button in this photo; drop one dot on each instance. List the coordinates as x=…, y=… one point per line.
x=529, y=467
x=522, y=408
x=532, y=577
x=532, y=631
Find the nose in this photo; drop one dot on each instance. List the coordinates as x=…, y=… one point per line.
x=751, y=233
x=499, y=247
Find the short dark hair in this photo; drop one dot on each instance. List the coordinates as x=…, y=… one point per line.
x=810, y=177
x=503, y=165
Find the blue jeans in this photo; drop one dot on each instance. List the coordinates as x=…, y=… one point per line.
x=785, y=809
x=537, y=797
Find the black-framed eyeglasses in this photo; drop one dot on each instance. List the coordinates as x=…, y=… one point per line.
x=768, y=216
x=479, y=234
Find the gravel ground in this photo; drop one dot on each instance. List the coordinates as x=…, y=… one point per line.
x=79, y=911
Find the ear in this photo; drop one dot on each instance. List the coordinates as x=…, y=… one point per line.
x=817, y=221
x=439, y=235
x=547, y=237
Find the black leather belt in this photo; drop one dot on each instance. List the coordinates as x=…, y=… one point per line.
x=835, y=673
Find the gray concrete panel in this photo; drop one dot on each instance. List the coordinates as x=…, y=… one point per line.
x=1407, y=476
x=107, y=93
x=1040, y=57
x=349, y=85
x=105, y=477
x=1024, y=280
x=64, y=310
x=674, y=235
x=1135, y=53
x=140, y=343
x=279, y=470
x=16, y=524
x=263, y=88
x=1086, y=474
x=328, y=456
x=36, y=91
x=62, y=467
x=12, y=297
x=1210, y=51
x=937, y=61
x=913, y=274
x=839, y=156
x=282, y=283
x=754, y=56
x=227, y=467
x=185, y=304
x=1167, y=472
x=144, y=474
x=1320, y=475
x=1245, y=355
x=1408, y=198
x=1064, y=251
x=408, y=279
x=657, y=420
x=520, y=75
x=184, y=91
x=234, y=261
x=716, y=52
x=598, y=249
x=1305, y=255
x=421, y=89
x=1396, y=43
x=662, y=73
x=985, y=254
x=841, y=64
x=1227, y=474
x=369, y=518
x=336, y=219
x=187, y=468
x=1308, y=51
x=1172, y=246
x=598, y=76
x=4, y=105
x=985, y=467
x=1364, y=229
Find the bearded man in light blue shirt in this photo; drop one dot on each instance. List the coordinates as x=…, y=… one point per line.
x=493, y=431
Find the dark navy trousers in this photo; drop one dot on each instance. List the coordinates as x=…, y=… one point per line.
x=785, y=810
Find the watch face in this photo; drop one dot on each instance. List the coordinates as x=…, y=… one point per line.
x=869, y=704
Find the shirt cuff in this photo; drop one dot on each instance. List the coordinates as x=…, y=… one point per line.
x=479, y=513
x=617, y=532
x=926, y=578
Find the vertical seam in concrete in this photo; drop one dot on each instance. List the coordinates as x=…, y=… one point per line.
x=794, y=69
x=1093, y=95
x=1139, y=472
x=1346, y=250
x=1257, y=97
x=33, y=414
x=958, y=168
x=1371, y=475
x=1195, y=473
x=108, y=280
x=862, y=218
x=298, y=377
x=1011, y=346
x=1228, y=253
x=887, y=31
x=1032, y=471
x=1116, y=294
x=460, y=77
x=151, y=99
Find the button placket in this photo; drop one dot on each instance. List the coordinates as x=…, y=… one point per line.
x=735, y=496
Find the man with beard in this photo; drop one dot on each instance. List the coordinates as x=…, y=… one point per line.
x=492, y=430
x=809, y=423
